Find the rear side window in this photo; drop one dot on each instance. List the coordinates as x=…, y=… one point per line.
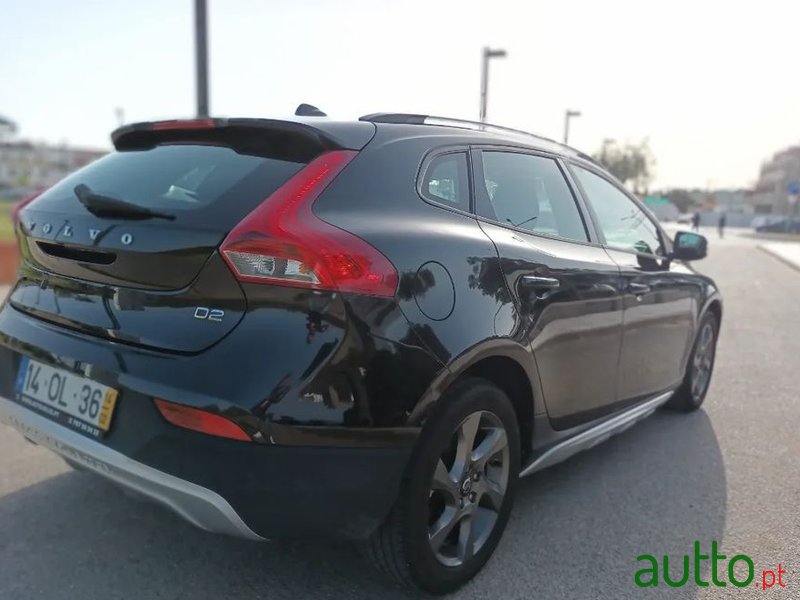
x=179, y=179
x=446, y=180
x=529, y=192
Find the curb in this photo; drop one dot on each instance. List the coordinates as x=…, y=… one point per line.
x=789, y=263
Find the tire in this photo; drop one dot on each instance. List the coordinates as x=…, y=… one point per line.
x=430, y=498
x=693, y=390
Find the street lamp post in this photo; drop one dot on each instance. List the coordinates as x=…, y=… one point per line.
x=201, y=56
x=604, y=149
x=487, y=54
x=567, y=116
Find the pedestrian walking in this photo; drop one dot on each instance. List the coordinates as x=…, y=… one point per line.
x=696, y=221
x=721, y=225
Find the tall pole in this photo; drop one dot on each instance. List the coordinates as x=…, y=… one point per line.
x=567, y=116
x=487, y=54
x=201, y=56
x=484, y=83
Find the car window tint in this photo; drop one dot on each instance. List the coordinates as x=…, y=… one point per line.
x=200, y=184
x=446, y=180
x=529, y=192
x=624, y=225
x=179, y=177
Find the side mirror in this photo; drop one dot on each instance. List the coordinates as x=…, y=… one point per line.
x=689, y=246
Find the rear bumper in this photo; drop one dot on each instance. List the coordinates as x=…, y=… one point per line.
x=321, y=469
x=246, y=490
x=198, y=505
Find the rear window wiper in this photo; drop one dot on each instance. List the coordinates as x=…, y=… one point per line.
x=113, y=208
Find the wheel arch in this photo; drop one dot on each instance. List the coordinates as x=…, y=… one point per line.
x=507, y=365
x=714, y=305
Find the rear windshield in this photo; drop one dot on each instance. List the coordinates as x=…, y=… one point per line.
x=181, y=179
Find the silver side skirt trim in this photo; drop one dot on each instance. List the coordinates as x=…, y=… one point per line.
x=198, y=505
x=595, y=435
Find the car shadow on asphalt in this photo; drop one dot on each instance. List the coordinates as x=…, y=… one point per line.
x=575, y=533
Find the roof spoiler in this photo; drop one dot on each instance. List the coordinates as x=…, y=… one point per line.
x=261, y=137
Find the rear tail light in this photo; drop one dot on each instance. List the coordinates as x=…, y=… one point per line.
x=200, y=420
x=283, y=242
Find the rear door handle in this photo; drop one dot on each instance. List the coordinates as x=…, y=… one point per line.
x=638, y=289
x=538, y=284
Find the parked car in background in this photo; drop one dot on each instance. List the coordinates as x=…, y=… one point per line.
x=779, y=225
x=762, y=220
x=685, y=218
x=366, y=330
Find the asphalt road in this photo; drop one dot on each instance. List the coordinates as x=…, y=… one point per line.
x=727, y=473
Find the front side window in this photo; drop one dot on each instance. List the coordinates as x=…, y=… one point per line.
x=529, y=192
x=624, y=225
x=446, y=180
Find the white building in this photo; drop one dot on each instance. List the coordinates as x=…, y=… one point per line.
x=771, y=194
x=25, y=164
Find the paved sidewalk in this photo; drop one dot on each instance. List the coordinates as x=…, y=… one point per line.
x=788, y=252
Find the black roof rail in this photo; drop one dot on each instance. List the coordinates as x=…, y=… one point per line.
x=400, y=118
x=415, y=119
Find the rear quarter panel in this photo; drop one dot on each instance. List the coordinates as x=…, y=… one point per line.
x=452, y=290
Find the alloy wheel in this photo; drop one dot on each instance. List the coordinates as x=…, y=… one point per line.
x=702, y=362
x=467, y=489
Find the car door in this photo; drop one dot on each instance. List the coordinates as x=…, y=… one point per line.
x=566, y=288
x=660, y=300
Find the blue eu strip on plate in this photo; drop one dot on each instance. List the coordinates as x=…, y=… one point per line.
x=23, y=369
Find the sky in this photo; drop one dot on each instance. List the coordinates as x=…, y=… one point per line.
x=713, y=85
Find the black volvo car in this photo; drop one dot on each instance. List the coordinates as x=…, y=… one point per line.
x=366, y=330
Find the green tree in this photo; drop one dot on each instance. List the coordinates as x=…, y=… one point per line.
x=630, y=163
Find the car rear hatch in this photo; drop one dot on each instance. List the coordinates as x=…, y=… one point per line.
x=127, y=247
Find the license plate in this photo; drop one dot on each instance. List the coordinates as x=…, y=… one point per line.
x=70, y=399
